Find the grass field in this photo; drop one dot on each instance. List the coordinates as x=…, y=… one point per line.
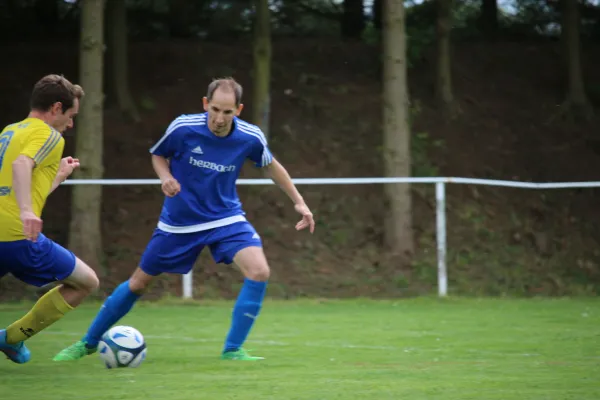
x=408, y=349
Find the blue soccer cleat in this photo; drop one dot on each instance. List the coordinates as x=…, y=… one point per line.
x=17, y=353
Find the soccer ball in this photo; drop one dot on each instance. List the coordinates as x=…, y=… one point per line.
x=122, y=346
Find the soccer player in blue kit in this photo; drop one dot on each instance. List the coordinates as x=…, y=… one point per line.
x=198, y=161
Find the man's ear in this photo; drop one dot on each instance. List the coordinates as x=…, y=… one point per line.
x=56, y=108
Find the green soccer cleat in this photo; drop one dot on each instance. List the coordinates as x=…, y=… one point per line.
x=239, y=354
x=75, y=352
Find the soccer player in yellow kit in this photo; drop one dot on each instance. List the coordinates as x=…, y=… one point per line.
x=31, y=167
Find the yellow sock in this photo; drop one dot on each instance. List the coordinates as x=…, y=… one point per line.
x=49, y=308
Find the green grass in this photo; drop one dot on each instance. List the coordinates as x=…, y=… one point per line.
x=407, y=349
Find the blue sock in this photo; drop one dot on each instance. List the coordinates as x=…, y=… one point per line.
x=114, y=308
x=245, y=311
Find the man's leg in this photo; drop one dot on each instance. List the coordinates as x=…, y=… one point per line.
x=239, y=243
x=165, y=253
x=47, y=310
x=116, y=306
x=253, y=264
x=53, y=305
x=58, y=264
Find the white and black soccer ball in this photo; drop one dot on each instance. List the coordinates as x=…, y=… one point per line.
x=121, y=347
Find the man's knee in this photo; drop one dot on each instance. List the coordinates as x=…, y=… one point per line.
x=140, y=282
x=259, y=272
x=93, y=282
x=83, y=278
x=253, y=263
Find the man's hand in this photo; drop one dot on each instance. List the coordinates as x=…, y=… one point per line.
x=32, y=225
x=65, y=169
x=67, y=166
x=170, y=187
x=307, y=218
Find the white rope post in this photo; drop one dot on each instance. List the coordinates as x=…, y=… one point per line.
x=187, y=285
x=440, y=217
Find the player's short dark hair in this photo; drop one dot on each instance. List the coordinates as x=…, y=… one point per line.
x=53, y=89
x=227, y=83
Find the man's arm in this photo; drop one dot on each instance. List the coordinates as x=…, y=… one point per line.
x=169, y=184
x=57, y=181
x=22, y=171
x=161, y=167
x=280, y=176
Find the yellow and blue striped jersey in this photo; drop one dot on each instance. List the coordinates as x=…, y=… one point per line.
x=35, y=139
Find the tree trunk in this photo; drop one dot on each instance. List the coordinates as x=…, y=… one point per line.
x=116, y=12
x=261, y=106
x=353, y=19
x=396, y=135
x=577, y=104
x=85, y=236
x=444, y=93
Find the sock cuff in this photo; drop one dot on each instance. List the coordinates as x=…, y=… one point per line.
x=58, y=300
x=250, y=282
x=130, y=293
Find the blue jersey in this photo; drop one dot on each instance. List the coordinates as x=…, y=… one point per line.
x=207, y=167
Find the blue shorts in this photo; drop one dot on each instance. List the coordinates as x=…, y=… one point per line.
x=38, y=263
x=177, y=252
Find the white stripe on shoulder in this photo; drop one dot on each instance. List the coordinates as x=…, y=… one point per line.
x=183, y=120
x=255, y=134
x=248, y=124
x=191, y=116
x=252, y=128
